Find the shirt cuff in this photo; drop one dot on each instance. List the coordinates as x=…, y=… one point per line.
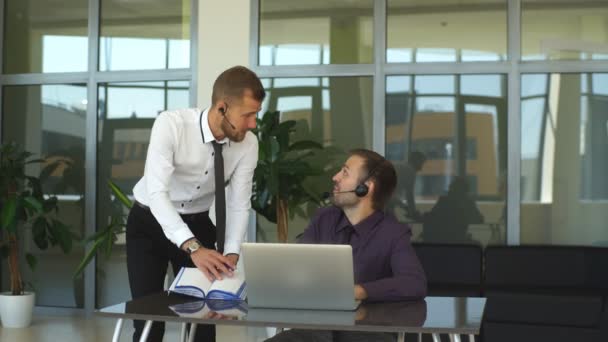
x=232, y=248
x=373, y=291
x=181, y=235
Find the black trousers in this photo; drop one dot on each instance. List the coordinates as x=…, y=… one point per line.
x=148, y=254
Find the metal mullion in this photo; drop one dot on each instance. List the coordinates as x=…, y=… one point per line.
x=315, y=70
x=254, y=34
x=447, y=68
x=193, y=53
x=379, y=79
x=2, y=20
x=50, y=78
x=563, y=66
x=142, y=75
x=90, y=279
x=514, y=123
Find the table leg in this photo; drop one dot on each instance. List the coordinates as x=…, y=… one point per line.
x=436, y=338
x=117, y=330
x=419, y=337
x=192, y=332
x=401, y=337
x=471, y=338
x=146, y=332
x=182, y=334
x=454, y=338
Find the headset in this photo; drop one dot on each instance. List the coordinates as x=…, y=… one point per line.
x=223, y=111
x=362, y=189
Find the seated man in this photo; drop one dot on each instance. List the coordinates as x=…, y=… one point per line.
x=385, y=265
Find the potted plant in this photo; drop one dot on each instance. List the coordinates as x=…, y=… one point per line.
x=103, y=241
x=280, y=186
x=23, y=207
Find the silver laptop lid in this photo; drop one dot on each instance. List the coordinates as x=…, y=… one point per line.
x=299, y=276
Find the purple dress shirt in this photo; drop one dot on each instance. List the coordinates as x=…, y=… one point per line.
x=385, y=263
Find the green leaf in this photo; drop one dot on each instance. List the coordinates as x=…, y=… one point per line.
x=8, y=215
x=305, y=145
x=31, y=261
x=274, y=150
x=39, y=233
x=61, y=234
x=120, y=194
x=87, y=258
x=33, y=203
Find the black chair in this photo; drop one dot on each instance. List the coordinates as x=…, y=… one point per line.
x=451, y=269
x=545, y=293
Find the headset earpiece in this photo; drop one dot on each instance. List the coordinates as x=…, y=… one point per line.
x=361, y=190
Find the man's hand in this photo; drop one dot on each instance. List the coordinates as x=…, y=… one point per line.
x=360, y=293
x=233, y=257
x=212, y=263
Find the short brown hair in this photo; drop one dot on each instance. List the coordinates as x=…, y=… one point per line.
x=232, y=83
x=381, y=172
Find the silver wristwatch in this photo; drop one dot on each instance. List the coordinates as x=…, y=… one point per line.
x=193, y=246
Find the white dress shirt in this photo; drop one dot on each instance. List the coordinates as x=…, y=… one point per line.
x=179, y=176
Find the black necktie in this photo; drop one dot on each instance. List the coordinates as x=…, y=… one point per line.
x=220, y=197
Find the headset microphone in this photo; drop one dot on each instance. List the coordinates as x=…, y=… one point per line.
x=327, y=195
x=223, y=111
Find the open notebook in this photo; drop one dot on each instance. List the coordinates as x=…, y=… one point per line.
x=192, y=282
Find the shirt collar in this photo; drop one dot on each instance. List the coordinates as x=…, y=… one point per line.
x=206, y=130
x=367, y=224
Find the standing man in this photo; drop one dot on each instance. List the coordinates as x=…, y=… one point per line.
x=195, y=191
x=385, y=265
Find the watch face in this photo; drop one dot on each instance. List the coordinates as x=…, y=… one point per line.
x=193, y=246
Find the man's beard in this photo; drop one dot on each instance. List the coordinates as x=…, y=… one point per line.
x=232, y=134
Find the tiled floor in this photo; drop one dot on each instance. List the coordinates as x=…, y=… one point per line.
x=74, y=328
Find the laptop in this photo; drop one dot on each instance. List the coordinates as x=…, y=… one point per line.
x=299, y=276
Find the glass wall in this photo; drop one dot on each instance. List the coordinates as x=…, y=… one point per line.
x=563, y=158
x=126, y=113
x=96, y=121
x=440, y=73
x=49, y=121
x=128, y=28
x=38, y=35
x=440, y=31
x=564, y=29
x=321, y=32
x=333, y=111
x=459, y=124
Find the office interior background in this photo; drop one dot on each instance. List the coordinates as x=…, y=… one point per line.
x=512, y=95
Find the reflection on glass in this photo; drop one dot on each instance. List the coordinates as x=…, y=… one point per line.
x=126, y=114
x=142, y=36
x=334, y=111
x=441, y=31
x=564, y=30
x=49, y=121
x=40, y=36
x=459, y=123
x=302, y=32
x=563, y=159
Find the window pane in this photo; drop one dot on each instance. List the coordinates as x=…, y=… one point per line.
x=564, y=29
x=50, y=121
x=463, y=138
x=126, y=114
x=334, y=111
x=441, y=31
x=42, y=36
x=143, y=35
x=302, y=32
x=564, y=187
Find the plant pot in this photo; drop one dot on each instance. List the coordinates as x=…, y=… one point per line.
x=16, y=311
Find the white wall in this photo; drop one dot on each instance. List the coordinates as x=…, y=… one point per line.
x=223, y=36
